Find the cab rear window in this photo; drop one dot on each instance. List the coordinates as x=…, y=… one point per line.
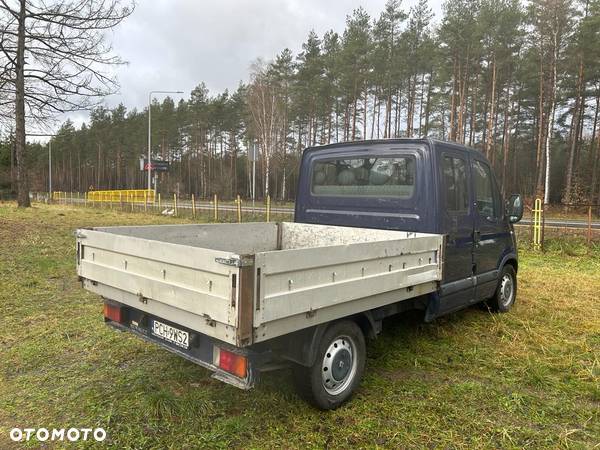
x=365, y=177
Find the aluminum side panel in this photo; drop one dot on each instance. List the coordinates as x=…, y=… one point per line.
x=280, y=327
x=301, y=283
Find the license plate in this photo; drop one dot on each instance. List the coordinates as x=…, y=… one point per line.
x=171, y=334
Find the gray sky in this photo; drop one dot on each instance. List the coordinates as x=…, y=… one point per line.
x=176, y=44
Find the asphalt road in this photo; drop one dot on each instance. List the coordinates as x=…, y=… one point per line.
x=565, y=223
x=559, y=223
x=260, y=209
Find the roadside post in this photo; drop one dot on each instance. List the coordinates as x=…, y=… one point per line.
x=175, y=204
x=239, y=208
x=537, y=224
x=589, y=226
x=216, y=208
x=193, y=207
x=268, y=208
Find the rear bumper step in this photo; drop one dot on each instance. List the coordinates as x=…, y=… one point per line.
x=200, y=350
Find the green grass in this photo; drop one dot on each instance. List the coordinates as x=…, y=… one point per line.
x=530, y=378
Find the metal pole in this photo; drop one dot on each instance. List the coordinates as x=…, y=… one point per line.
x=149, y=140
x=537, y=224
x=50, y=170
x=253, y=175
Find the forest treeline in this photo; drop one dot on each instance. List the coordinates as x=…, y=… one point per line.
x=517, y=80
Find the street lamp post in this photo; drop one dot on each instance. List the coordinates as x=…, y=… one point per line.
x=254, y=152
x=50, y=170
x=150, y=131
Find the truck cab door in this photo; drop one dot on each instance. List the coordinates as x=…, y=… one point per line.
x=489, y=233
x=457, y=223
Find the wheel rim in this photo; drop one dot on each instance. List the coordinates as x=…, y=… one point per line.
x=507, y=290
x=339, y=365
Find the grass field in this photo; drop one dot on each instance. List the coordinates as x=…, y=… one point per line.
x=529, y=378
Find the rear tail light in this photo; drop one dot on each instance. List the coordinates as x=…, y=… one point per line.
x=230, y=362
x=113, y=312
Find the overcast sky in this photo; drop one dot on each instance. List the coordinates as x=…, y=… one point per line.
x=176, y=44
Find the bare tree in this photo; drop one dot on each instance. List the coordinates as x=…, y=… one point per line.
x=54, y=57
x=267, y=113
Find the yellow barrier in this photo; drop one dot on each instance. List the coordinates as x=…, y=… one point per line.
x=537, y=224
x=117, y=196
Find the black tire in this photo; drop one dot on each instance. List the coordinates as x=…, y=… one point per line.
x=310, y=381
x=506, y=291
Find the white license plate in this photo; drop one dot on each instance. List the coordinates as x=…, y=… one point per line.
x=171, y=334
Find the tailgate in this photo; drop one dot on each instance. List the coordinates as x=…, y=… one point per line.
x=185, y=284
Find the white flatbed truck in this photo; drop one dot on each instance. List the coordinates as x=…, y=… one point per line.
x=380, y=227
x=242, y=298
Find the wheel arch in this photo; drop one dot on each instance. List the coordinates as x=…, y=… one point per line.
x=511, y=259
x=301, y=347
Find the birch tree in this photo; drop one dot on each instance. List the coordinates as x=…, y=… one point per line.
x=266, y=112
x=551, y=20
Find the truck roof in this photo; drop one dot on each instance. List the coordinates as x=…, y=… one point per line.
x=432, y=143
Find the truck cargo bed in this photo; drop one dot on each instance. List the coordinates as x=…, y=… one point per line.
x=247, y=283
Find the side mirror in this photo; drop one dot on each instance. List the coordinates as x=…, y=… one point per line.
x=514, y=208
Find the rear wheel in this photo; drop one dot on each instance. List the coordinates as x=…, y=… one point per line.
x=506, y=292
x=338, y=367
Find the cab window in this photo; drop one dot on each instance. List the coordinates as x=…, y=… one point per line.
x=454, y=171
x=365, y=177
x=484, y=190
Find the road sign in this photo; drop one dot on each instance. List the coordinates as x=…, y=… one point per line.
x=157, y=165
x=253, y=152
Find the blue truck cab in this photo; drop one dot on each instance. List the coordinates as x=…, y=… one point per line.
x=427, y=186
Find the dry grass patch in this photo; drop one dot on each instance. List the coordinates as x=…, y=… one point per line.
x=527, y=379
